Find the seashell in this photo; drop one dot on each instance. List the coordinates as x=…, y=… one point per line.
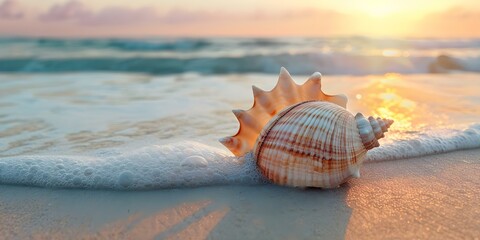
x=303, y=137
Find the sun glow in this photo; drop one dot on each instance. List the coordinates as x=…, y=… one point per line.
x=380, y=10
x=372, y=18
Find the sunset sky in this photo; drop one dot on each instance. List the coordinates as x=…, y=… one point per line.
x=247, y=18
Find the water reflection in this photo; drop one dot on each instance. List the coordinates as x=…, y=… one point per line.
x=72, y=114
x=407, y=102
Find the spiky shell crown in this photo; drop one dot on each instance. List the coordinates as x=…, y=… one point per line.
x=267, y=104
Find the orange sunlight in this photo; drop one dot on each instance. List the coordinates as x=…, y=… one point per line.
x=372, y=18
x=387, y=97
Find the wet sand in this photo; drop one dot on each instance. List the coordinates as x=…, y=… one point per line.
x=432, y=197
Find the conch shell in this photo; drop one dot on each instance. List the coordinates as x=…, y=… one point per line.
x=303, y=137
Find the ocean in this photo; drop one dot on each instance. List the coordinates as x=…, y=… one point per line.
x=147, y=113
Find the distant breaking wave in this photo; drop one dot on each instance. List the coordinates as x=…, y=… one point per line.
x=119, y=44
x=296, y=63
x=203, y=43
x=348, y=55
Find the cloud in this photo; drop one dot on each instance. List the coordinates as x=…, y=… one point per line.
x=66, y=11
x=77, y=11
x=117, y=15
x=10, y=9
x=75, y=18
x=121, y=15
x=179, y=16
x=182, y=16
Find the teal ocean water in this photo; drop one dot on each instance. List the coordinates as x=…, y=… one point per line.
x=147, y=113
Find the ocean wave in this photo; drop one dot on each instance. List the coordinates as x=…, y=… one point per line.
x=296, y=63
x=176, y=45
x=198, y=43
x=118, y=44
x=347, y=55
x=444, y=43
x=188, y=164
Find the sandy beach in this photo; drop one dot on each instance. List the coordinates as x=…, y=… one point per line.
x=165, y=119
x=432, y=197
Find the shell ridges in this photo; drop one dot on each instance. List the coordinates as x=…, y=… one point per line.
x=310, y=144
x=268, y=103
x=371, y=129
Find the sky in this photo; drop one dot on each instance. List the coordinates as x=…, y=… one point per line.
x=246, y=18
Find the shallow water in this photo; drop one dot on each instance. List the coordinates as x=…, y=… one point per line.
x=87, y=113
x=135, y=131
x=147, y=113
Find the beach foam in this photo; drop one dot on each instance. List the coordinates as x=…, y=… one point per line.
x=184, y=164
x=188, y=164
x=428, y=143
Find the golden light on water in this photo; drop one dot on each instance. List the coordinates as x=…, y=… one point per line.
x=391, y=106
x=391, y=97
x=394, y=53
x=390, y=53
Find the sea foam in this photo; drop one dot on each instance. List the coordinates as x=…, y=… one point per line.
x=188, y=164
x=184, y=164
x=427, y=144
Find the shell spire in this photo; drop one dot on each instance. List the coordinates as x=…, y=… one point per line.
x=267, y=104
x=371, y=129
